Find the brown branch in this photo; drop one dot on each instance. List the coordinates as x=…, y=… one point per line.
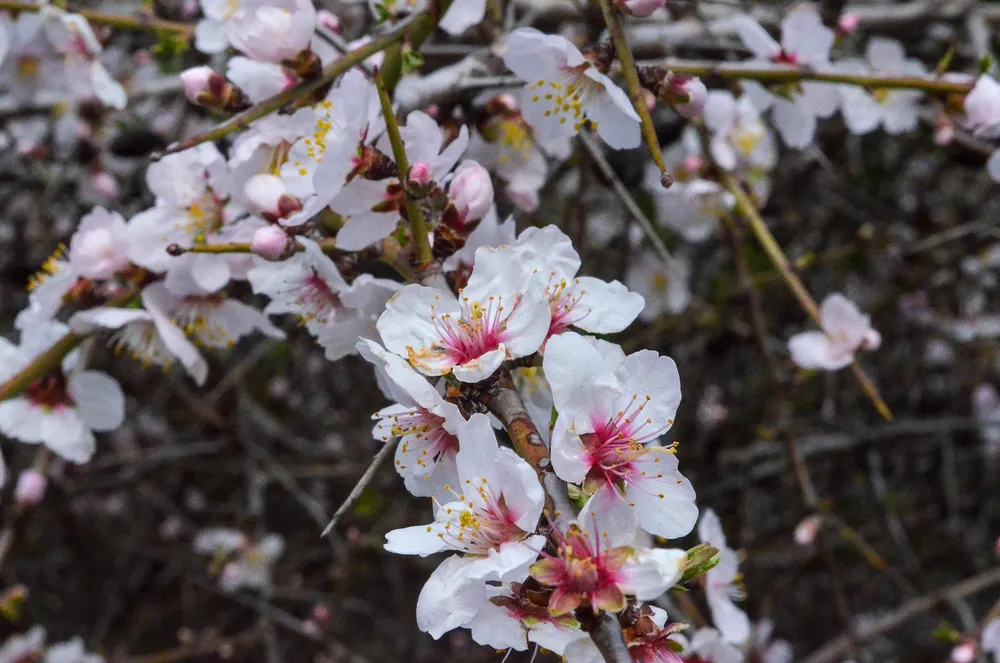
x=835, y=649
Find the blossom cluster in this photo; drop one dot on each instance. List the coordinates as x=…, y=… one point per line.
x=488, y=330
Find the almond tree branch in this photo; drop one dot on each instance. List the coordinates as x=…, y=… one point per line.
x=423, y=27
x=632, y=82
x=773, y=250
x=418, y=226
x=296, y=92
x=111, y=20
x=366, y=478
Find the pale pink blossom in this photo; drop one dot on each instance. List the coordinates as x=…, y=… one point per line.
x=100, y=245
x=471, y=190
x=271, y=30
x=846, y=330
x=564, y=90
x=272, y=243
x=720, y=583
x=982, y=108
x=612, y=410
x=30, y=489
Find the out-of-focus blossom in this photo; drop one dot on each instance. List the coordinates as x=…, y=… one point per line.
x=894, y=110
x=982, y=108
x=846, y=330
x=721, y=583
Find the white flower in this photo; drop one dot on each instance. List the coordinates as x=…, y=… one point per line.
x=462, y=15
x=507, y=619
x=492, y=320
x=271, y=30
x=71, y=651
x=48, y=288
x=215, y=321
x=364, y=301
x=565, y=89
x=425, y=423
x=990, y=639
x=147, y=334
x=71, y=35
x=584, y=302
x=707, y=645
x=491, y=521
x=982, y=108
x=845, y=331
x=895, y=110
x=663, y=286
x=611, y=411
x=720, y=589
x=100, y=246
x=258, y=80
x=251, y=562
x=804, y=41
x=489, y=232
x=770, y=651
x=739, y=137
x=23, y=647
x=62, y=409
x=348, y=118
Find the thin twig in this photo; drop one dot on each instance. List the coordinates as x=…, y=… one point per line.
x=363, y=482
x=296, y=92
x=111, y=20
x=633, y=208
x=632, y=82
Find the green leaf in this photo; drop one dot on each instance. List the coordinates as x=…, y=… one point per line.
x=700, y=559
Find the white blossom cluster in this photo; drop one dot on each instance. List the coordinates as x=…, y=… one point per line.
x=307, y=190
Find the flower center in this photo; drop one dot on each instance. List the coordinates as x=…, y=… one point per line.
x=50, y=392
x=480, y=330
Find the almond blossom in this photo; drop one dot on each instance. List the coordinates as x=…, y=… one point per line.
x=425, y=423
x=491, y=320
x=146, y=334
x=720, y=583
x=664, y=286
x=491, y=522
x=739, y=138
x=596, y=565
x=565, y=90
x=612, y=409
x=584, y=302
x=249, y=562
x=894, y=110
x=272, y=30
x=707, y=646
x=372, y=207
x=805, y=42
x=100, y=246
x=982, y=108
x=846, y=330
x=63, y=409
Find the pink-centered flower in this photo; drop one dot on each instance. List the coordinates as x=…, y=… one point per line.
x=425, y=422
x=611, y=411
x=584, y=302
x=595, y=566
x=490, y=321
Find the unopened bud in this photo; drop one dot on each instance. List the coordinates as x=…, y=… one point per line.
x=964, y=653
x=205, y=87
x=848, y=23
x=270, y=195
x=105, y=185
x=944, y=130
x=30, y=488
x=640, y=8
x=272, y=243
x=685, y=94
x=806, y=531
x=471, y=191
x=420, y=179
x=329, y=21
x=693, y=163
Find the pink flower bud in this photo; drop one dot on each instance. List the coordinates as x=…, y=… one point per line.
x=420, y=175
x=508, y=101
x=848, y=23
x=105, y=185
x=199, y=82
x=806, y=531
x=471, y=191
x=692, y=163
x=696, y=93
x=964, y=653
x=641, y=8
x=30, y=488
x=272, y=243
x=944, y=130
x=329, y=21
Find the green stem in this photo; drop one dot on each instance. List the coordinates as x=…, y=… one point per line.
x=418, y=227
x=423, y=27
x=42, y=365
x=303, y=89
x=245, y=247
x=632, y=82
x=790, y=74
x=110, y=20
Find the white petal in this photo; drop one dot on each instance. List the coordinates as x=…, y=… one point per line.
x=651, y=572
x=664, y=499
x=449, y=598
x=99, y=398
x=813, y=349
x=756, y=38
